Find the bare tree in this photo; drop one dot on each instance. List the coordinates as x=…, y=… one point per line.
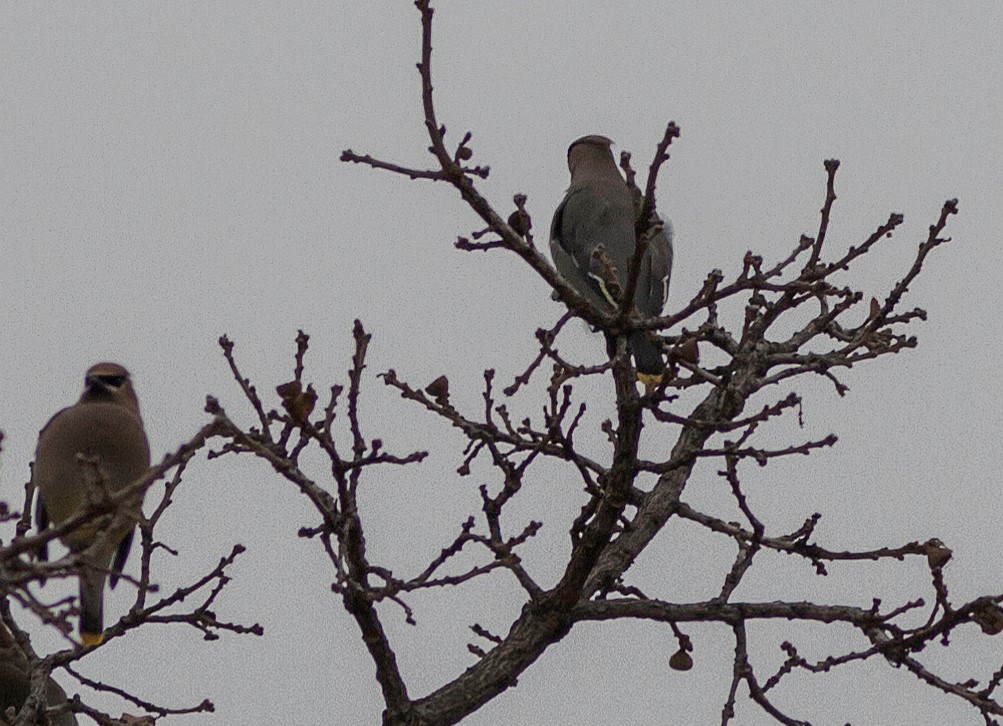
x=19, y=577
x=729, y=347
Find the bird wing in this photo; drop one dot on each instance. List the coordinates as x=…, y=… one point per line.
x=42, y=522
x=41, y=513
x=121, y=555
x=589, y=216
x=651, y=297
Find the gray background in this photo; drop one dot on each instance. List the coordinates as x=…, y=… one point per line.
x=169, y=172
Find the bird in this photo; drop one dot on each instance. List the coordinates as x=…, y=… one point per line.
x=15, y=685
x=598, y=209
x=14, y=689
x=105, y=423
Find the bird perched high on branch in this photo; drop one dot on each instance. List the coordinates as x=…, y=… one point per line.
x=593, y=242
x=86, y=453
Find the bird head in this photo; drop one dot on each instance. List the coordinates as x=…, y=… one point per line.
x=109, y=382
x=590, y=151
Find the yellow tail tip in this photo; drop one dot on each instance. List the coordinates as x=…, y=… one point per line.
x=92, y=639
x=650, y=381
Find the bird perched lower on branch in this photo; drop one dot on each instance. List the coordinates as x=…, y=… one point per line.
x=15, y=685
x=593, y=244
x=86, y=453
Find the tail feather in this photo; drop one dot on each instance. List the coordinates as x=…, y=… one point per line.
x=647, y=358
x=91, y=607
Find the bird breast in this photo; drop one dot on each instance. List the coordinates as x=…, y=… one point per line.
x=107, y=431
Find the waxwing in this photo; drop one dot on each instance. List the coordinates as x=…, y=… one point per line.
x=598, y=209
x=105, y=424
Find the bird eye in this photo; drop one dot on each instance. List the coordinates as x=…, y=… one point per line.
x=112, y=381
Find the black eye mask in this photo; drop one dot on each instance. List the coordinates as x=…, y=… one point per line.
x=111, y=381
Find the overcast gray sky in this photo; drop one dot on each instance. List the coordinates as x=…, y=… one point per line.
x=169, y=172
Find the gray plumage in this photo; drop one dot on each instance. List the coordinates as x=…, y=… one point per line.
x=598, y=209
x=104, y=423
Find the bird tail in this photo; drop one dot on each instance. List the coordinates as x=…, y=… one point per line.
x=646, y=356
x=91, y=607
